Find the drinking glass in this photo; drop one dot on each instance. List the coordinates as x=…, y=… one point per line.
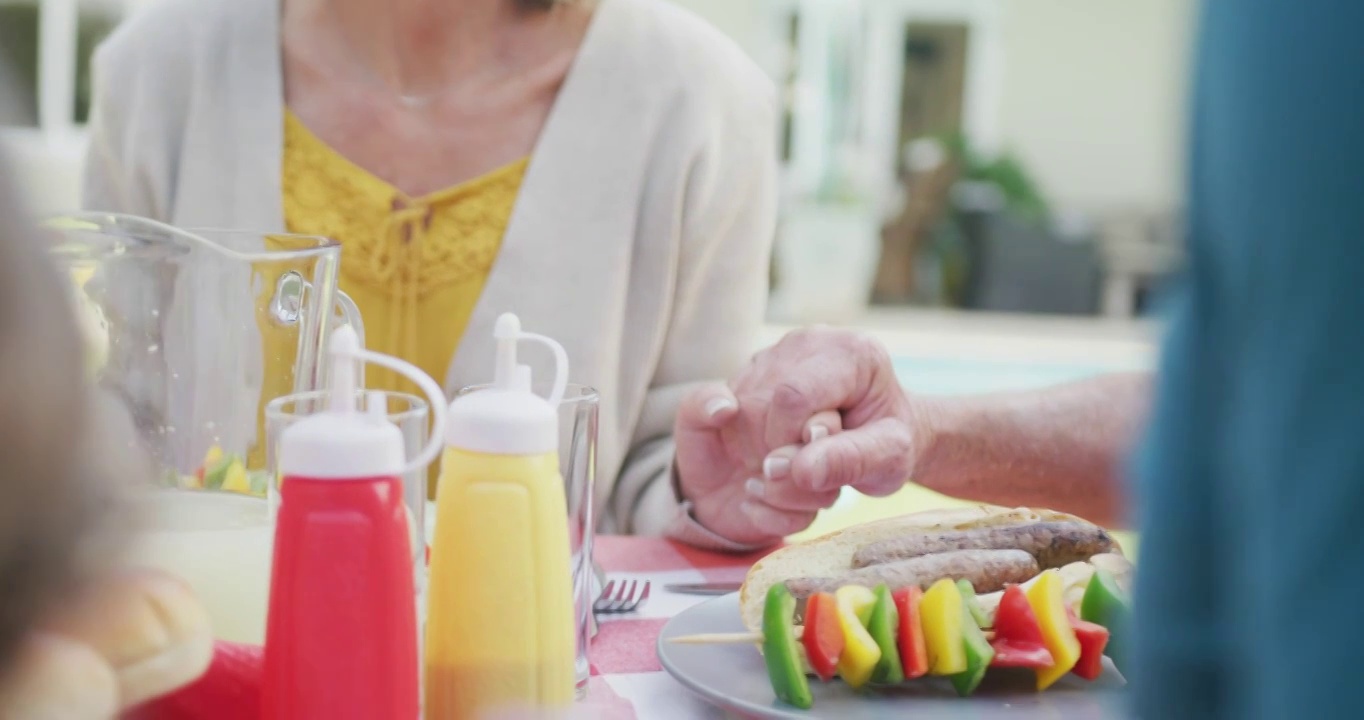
x=408, y=412
x=578, y=466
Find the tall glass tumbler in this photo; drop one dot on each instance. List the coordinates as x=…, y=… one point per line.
x=578, y=466
x=408, y=412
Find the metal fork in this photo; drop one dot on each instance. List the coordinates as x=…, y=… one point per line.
x=622, y=596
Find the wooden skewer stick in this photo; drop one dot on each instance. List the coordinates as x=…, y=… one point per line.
x=748, y=638
x=722, y=639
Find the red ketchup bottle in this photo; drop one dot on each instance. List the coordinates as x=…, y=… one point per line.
x=341, y=639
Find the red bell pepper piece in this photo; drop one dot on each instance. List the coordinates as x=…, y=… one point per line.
x=913, y=650
x=1018, y=636
x=1093, y=639
x=823, y=637
x=1024, y=655
x=1015, y=619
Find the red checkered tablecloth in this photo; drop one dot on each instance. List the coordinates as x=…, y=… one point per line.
x=627, y=681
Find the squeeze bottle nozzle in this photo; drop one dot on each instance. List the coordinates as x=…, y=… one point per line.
x=508, y=417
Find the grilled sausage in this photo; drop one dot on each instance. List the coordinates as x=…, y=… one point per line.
x=987, y=571
x=1054, y=544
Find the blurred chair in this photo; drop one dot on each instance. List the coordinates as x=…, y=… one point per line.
x=1019, y=266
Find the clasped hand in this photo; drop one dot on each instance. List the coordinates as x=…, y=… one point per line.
x=821, y=410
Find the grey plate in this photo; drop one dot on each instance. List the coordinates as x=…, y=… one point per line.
x=734, y=678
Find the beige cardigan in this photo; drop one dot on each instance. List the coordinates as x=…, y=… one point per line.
x=640, y=238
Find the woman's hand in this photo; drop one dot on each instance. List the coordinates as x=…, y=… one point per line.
x=720, y=465
x=818, y=411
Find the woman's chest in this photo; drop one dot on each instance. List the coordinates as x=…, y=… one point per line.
x=420, y=151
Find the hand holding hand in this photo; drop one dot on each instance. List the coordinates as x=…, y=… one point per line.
x=739, y=451
x=820, y=373
x=722, y=462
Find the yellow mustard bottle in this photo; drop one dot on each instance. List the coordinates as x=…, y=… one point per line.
x=499, y=630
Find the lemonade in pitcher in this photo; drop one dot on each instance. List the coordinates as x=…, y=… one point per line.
x=220, y=543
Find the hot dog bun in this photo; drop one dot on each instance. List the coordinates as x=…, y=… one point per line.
x=150, y=629
x=832, y=554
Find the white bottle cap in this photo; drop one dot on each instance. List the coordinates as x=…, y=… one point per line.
x=507, y=418
x=343, y=443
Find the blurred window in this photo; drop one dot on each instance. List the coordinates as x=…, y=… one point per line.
x=19, y=57
x=45, y=48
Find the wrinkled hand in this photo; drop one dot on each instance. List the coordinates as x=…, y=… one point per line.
x=739, y=448
x=717, y=460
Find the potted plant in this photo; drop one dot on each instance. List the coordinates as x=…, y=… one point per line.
x=999, y=247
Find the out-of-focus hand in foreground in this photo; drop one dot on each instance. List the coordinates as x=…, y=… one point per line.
x=79, y=639
x=133, y=637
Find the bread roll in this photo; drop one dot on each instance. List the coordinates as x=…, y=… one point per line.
x=149, y=627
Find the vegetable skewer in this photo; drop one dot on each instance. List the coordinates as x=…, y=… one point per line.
x=888, y=638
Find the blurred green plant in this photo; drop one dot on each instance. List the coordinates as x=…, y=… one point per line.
x=949, y=249
x=1005, y=171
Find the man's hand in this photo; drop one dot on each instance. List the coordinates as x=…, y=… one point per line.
x=839, y=377
x=739, y=448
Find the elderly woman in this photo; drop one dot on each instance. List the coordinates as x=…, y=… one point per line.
x=605, y=170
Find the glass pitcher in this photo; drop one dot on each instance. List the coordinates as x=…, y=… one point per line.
x=194, y=332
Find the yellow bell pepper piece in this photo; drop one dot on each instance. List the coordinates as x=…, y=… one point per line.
x=941, y=612
x=236, y=480
x=860, y=651
x=1047, y=599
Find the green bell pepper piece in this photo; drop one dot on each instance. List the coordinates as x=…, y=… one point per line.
x=968, y=594
x=1104, y=603
x=214, y=476
x=979, y=653
x=780, y=651
x=883, y=627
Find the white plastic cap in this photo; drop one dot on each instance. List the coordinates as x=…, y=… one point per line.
x=342, y=443
x=507, y=418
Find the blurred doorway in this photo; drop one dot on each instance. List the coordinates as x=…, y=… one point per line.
x=932, y=99
x=933, y=88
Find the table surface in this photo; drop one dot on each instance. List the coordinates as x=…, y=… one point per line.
x=627, y=680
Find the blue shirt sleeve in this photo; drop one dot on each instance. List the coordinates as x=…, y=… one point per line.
x=1251, y=477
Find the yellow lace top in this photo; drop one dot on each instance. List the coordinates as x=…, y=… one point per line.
x=414, y=266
